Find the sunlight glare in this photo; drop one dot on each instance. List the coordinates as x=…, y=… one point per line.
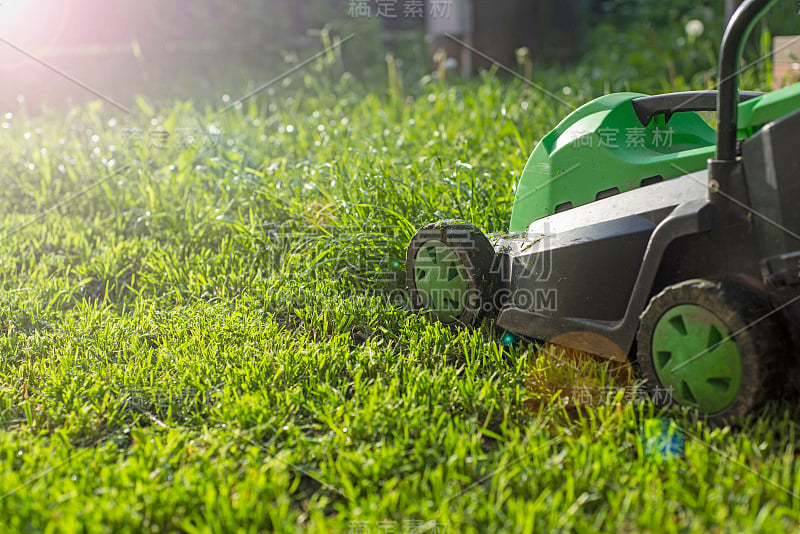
x=12, y=12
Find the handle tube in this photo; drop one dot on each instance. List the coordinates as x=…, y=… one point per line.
x=736, y=34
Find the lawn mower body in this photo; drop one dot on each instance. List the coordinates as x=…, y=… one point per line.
x=609, y=200
x=641, y=233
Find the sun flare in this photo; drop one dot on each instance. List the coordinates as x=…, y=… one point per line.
x=12, y=11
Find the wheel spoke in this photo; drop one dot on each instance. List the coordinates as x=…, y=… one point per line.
x=721, y=384
x=449, y=257
x=715, y=338
x=432, y=254
x=453, y=273
x=686, y=393
x=679, y=325
x=663, y=357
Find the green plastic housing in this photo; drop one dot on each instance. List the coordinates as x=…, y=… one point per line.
x=602, y=149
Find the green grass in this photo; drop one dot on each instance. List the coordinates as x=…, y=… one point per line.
x=210, y=338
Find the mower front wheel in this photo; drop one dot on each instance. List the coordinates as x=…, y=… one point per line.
x=449, y=272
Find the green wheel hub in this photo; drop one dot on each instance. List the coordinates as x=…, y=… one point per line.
x=695, y=358
x=441, y=281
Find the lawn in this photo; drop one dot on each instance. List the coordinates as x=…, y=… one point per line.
x=204, y=330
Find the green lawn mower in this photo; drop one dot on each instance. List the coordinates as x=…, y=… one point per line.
x=639, y=233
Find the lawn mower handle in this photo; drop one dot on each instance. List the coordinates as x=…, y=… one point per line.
x=736, y=34
x=647, y=107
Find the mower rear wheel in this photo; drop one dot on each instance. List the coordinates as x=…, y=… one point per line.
x=448, y=271
x=710, y=345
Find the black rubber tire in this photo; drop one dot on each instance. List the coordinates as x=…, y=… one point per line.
x=758, y=335
x=475, y=253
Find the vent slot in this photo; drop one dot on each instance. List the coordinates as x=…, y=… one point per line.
x=564, y=207
x=652, y=180
x=607, y=193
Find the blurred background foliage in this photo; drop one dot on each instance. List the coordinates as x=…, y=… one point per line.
x=649, y=46
x=207, y=49
x=164, y=50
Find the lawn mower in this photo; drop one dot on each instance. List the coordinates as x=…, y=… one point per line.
x=640, y=233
